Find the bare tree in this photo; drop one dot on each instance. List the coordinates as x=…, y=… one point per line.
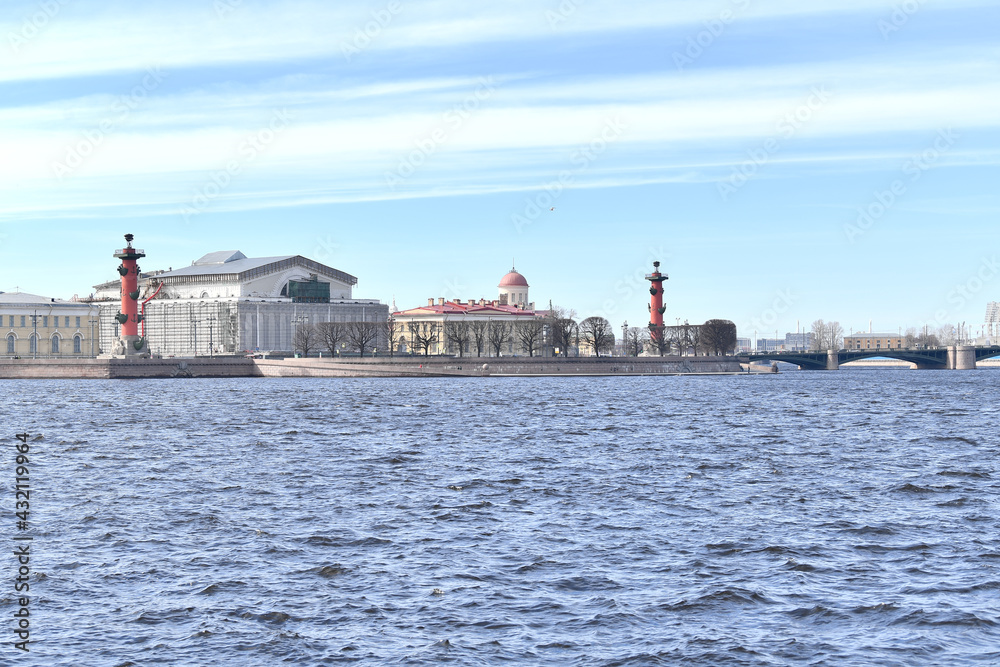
x=305, y=338
x=661, y=339
x=827, y=335
x=423, y=336
x=821, y=334
x=529, y=335
x=479, y=330
x=947, y=334
x=362, y=335
x=562, y=324
x=331, y=335
x=693, y=333
x=457, y=334
x=500, y=334
x=924, y=338
x=393, y=332
x=596, y=332
x=835, y=335
x=635, y=340
x=718, y=337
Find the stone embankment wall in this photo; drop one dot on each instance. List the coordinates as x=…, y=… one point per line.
x=96, y=369
x=368, y=367
x=494, y=367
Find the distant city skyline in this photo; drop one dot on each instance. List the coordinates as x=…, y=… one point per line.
x=785, y=162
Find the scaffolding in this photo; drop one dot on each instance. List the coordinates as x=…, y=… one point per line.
x=194, y=327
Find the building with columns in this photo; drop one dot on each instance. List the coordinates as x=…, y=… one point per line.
x=40, y=326
x=228, y=303
x=511, y=307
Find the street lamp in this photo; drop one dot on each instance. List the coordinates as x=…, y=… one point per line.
x=298, y=321
x=211, y=335
x=92, y=322
x=34, y=336
x=625, y=349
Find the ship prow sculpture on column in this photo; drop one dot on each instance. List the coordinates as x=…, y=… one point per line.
x=130, y=344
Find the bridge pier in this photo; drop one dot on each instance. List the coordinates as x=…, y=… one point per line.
x=832, y=360
x=961, y=358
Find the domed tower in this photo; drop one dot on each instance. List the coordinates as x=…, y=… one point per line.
x=514, y=289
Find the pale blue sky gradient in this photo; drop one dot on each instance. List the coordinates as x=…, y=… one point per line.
x=424, y=156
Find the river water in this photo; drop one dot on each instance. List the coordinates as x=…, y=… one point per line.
x=846, y=518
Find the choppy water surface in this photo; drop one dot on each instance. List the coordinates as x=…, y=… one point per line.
x=842, y=518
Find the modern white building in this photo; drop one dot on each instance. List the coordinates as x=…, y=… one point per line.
x=40, y=326
x=228, y=303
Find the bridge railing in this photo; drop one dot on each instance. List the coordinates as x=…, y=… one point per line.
x=854, y=349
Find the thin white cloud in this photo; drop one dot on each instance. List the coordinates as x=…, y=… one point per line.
x=514, y=131
x=192, y=34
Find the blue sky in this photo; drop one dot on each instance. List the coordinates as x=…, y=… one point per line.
x=785, y=160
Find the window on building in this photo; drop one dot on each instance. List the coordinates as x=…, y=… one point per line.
x=11, y=321
x=67, y=321
x=45, y=321
x=22, y=321
x=55, y=345
x=77, y=343
x=33, y=344
x=10, y=344
x=77, y=323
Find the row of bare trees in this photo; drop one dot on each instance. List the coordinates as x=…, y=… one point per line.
x=714, y=337
x=827, y=335
x=478, y=335
x=360, y=337
x=559, y=331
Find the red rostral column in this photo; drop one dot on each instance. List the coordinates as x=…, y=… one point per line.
x=130, y=342
x=656, y=307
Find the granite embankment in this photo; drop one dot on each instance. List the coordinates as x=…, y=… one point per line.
x=367, y=367
x=97, y=369
x=495, y=366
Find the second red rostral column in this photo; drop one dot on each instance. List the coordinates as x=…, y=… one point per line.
x=656, y=307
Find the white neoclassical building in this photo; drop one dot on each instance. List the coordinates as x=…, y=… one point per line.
x=226, y=303
x=512, y=305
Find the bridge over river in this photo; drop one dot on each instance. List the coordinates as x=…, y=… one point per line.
x=954, y=357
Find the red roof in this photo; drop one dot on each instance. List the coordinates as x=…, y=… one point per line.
x=513, y=279
x=452, y=307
